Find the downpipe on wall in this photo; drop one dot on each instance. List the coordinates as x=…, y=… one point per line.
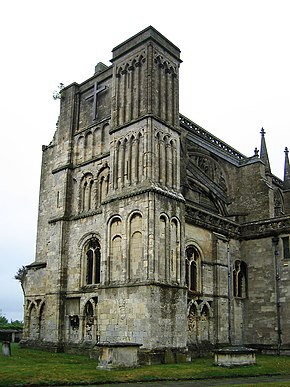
x=229, y=293
x=275, y=241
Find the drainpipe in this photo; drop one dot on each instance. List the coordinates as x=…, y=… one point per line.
x=275, y=241
x=229, y=294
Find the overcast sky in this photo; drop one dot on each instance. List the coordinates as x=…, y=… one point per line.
x=234, y=80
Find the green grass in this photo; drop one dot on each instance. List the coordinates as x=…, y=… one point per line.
x=34, y=367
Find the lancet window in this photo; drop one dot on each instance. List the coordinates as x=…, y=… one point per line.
x=92, y=262
x=286, y=247
x=192, y=268
x=240, y=279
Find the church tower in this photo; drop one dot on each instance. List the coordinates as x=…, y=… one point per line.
x=108, y=265
x=144, y=274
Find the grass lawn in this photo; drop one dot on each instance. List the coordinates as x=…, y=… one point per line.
x=34, y=367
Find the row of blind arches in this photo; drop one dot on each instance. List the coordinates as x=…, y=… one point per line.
x=132, y=163
x=91, y=143
x=93, y=190
x=36, y=311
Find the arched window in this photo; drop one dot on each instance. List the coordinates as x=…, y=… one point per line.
x=93, y=262
x=192, y=268
x=240, y=279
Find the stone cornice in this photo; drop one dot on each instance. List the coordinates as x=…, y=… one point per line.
x=36, y=266
x=266, y=228
x=143, y=117
x=250, y=230
x=212, y=222
x=142, y=190
x=75, y=217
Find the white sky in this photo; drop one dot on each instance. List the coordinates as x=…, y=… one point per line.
x=234, y=79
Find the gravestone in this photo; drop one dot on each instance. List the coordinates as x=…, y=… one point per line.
x=6, y=348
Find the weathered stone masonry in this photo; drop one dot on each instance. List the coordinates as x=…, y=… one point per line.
x=142, y=214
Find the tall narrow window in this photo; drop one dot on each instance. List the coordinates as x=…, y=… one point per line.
x=240, y=279
x=192, y=268
x=286, y=249
x=93, y=262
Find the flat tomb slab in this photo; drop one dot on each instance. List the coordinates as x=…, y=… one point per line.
x=118, y=355
x=235, y=356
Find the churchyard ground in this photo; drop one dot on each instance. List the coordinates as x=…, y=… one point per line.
x=35, y=367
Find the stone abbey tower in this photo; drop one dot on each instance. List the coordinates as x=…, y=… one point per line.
x=151, y=230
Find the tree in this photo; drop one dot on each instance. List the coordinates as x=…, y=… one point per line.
x=3, y=321
x=21, y=275
x=57, y=93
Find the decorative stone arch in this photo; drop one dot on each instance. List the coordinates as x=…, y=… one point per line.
x=116, y=255
x=35, y=313
x=199, y=317
x=278, y=202
x=206, y=315
x=104, y=136
x=102, y=182
x=41, y=318
x=87, y=192
x=89, y=316
x=164, y=248
x=97, y=141
x=206, y=197
x=165, y=159
x=135, y=236
x=33, y=328
x=193, y=267
x=89, y=145
x=175, y=252
x=206, y=305
x=80, y=148
x=193, y=314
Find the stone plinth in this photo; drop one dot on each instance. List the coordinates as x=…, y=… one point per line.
x=118, y=355
x=235, y=356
